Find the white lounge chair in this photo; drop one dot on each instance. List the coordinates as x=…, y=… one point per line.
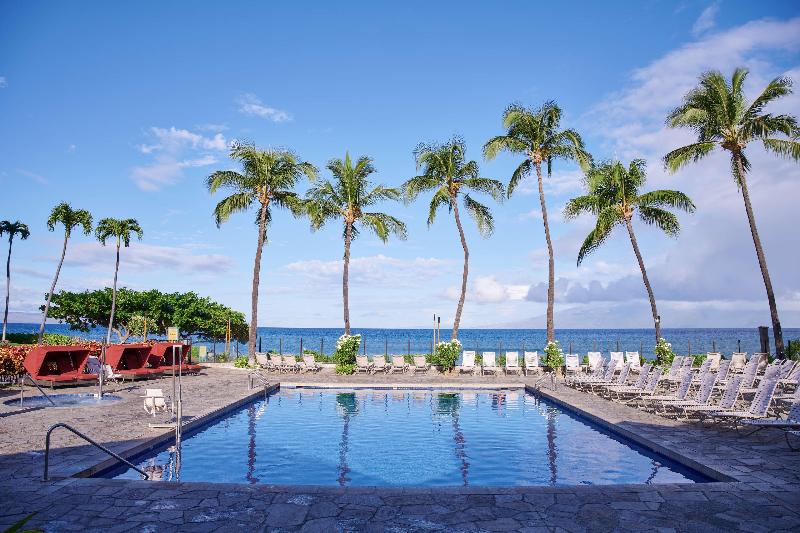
x=154, y=401
x=726, y=402
x=531, y=360
x=467, y=362
x=621, y=379
x=398, y=364
x=309, y=364
x=791, y=422
x=606, y=376
x=595, y=362
x=572, y=364
x=109, y=374
x=715, y=358
x=263, y=360
x=649, y=390
x=738, y=361
x=758, y=407
x=379, y=364
x=634, y=359
x=288, y=363
x=489, y=365
x=654, y=402
x=619, y=357
x=638, y=385
x=512, y=363
x=701, y=397
x=363, y=364
x=421, y=364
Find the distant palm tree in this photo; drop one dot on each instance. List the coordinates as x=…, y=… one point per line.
x=120, y=230
x=346, y=197
x=446, y=171
x=267, y=179
x=717, y=111
x=536, y=134
x=614, y=197
x=70, y=218
x=12, y=229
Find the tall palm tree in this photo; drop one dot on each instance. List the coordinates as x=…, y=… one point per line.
x=12, y=229
x=536, y=134
x=613, y=197
x=346, y=197
x=718, y=113
x=120, y=230
x=70, y=219
x=446, y=172
x=267, y=179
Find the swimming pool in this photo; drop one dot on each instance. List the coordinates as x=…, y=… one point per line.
x=407, y=438
x=62, y=400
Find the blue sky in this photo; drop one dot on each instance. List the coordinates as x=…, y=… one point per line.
x=123, y=109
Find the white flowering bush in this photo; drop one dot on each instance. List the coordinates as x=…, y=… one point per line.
x=345, y=354
x=446, y=354
x=664, y=353
x=553, y=355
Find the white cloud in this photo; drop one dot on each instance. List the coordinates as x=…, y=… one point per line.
x=3, y=82
x=377, y=269
x=169, y=149
x=706, y=19
x=38, y=178
x=250, y=104
x=145, y=258
x=712, y=266
x=487, y=289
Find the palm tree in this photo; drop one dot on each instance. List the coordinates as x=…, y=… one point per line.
x=718, y=112
x=119, y=229
x=536, y=134
x=70, y=218
x=613, y=197
x=445, y=171
x=12, y=229
x=267, y=179
x=346, y=197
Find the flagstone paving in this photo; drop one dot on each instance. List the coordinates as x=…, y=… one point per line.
x=763, y=496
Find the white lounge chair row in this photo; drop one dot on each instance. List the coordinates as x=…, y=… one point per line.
x=287, y=363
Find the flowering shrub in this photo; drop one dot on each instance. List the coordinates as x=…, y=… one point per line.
x=553, y=355
x=664, y=353
x=446, y=354
x=345, y=354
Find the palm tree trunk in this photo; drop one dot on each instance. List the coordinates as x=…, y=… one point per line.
x=110, y=320
x=465, y=273
x=251, y=339
x=777, y=332
x=348, y=236
x=656, y=318
x=551, y=330
x=8, y=286
x=53, y=288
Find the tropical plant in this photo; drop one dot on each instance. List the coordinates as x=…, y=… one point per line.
x=345, y=355
x=267, y=180
x=12, y=229
x=70, y=219
x=446, y=172
x=346, y=197
x=718, y=113
x=241, y=362
x=553, y=355
x=446, y=354
x=613, y=197
x=664, y=352
x=535, y=133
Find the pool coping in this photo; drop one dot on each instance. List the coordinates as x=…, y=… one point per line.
x=162, y=438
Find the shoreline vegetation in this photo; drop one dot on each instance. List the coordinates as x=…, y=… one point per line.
x=716, y=111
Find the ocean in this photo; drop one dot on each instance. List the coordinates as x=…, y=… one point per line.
x=401, y=341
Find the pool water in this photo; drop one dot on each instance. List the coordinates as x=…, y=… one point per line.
x=62, y=400
x=407, y=438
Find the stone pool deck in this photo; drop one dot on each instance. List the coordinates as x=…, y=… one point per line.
x=762, y=494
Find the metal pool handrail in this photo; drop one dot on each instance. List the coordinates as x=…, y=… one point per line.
x=22, y=389
x=90, y=441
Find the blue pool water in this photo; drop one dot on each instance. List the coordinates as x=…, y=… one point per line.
x=62, y=400
x=407, y=438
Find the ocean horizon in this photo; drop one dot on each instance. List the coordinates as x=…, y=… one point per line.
x=419, y=340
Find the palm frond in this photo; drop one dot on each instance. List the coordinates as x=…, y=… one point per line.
x=235, y=203
x=662, y=219
x=789, y=149
x=607, y=218
x=440, y=197
x=481, y=215
x=503, y=143
x=522, y=170
x=588, y=203
x=691, y=153
x=666, y=198
x=488, y=186
x=383, y=225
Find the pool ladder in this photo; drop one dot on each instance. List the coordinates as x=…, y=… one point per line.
x=90, y=441
x=22, y=390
